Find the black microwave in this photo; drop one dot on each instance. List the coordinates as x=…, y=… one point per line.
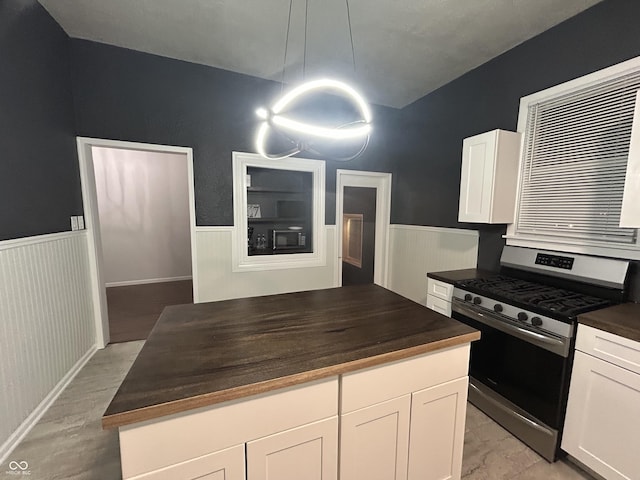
x=288, y=239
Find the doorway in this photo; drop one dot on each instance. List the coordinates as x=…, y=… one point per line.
x=363, y=204
x=140, y=220
x=358, y=230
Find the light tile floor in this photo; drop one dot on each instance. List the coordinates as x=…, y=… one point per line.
x=492, y=453
x=69, y=443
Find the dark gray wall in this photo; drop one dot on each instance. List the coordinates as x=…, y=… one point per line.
x=488, y=98
x=39, y=180
x=126, y=95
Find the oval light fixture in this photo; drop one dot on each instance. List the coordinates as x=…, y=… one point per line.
x=274, y=118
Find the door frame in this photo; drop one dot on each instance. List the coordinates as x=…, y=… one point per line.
x=381, y=181
x=92, y=223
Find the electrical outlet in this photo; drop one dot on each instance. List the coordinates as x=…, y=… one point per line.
x=80, y=222
x=74, y=223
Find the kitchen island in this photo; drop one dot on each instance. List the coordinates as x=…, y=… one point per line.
x=261, y=388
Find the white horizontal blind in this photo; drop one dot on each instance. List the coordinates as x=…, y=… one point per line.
x=574, y=164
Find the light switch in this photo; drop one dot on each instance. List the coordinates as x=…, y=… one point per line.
x=80, y=222
x=74, y=223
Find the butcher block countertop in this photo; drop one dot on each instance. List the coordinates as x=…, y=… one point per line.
x=207, y=353
x=622, y=320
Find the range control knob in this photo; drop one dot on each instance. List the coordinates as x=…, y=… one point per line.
x=468, y=297
x=477, y=300
x=536, y=321
x=522, y=316
x=497, y=308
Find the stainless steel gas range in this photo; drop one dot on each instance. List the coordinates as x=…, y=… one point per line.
x=520, y=368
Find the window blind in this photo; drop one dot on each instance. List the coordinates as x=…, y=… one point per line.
x=575, y=157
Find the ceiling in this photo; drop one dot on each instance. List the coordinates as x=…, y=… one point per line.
x=403, y=49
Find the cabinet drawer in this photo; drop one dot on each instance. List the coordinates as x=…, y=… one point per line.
x=439, y=289
x=377, y=384
x=609, y=347
x=155, y=444
x=224, y=465
x=439, y=305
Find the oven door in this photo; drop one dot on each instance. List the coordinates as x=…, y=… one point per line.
x=527, y=369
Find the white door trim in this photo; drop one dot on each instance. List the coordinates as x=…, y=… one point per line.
x=92, y=225
x=382, y=183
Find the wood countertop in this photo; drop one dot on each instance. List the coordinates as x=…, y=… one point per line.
x=452, y=276
x=207, y=353
x=622, y=320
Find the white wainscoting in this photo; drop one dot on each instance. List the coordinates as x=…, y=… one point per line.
x=217, y=281
x=415, y=251
x=47, y=329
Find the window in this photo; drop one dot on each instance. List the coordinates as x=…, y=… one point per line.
x=573, y=165
x=278, y=213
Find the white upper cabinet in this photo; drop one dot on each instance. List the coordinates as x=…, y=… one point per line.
x=630, y=213
x=489, y=177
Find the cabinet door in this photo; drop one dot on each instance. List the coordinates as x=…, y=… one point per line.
x=476, y=182
x=602, y=427
x=223, y=465
x=437, y=431
x=374, y=441
x=309, y=452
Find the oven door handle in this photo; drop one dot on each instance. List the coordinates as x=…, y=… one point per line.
x=490, y=319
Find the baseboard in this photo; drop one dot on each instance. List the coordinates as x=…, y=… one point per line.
x=127, y=283
x=25, y=427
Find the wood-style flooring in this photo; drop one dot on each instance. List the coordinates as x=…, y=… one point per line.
x=69, y=443
x=134, y=309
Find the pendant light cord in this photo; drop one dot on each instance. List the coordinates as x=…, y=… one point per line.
x=353, y=54
x=286, y=48
x=304, y=58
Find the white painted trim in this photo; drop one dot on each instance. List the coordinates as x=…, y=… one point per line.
x=425, y=228
x=381, y=181
x=221, y=228
x=240, y=259
x=147, y=281
x=25, y=427
x=49, y=237
x=91, y=220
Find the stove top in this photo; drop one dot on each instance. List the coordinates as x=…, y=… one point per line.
x=547, y=300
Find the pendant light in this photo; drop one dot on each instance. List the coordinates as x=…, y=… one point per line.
x=305, y=136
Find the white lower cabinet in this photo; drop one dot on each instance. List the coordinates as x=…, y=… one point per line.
x=374, y=441
x=602, y=427
x=414, y=428
x=309, y=452
x=403, y=420
x=226, y=464
x=437, y=431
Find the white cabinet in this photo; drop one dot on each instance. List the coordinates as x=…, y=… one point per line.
x=602, y=427
x=418, y=433
x=439, y=296
x=437, y=431
x=375, y=441
x=630, y=213
x=227, y=464
x=403, y=420
x=309, y=452
x=489, y=177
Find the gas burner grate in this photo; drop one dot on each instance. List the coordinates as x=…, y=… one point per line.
x=532, y=294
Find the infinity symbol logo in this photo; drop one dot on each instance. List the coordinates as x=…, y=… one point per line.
x=13, y=465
